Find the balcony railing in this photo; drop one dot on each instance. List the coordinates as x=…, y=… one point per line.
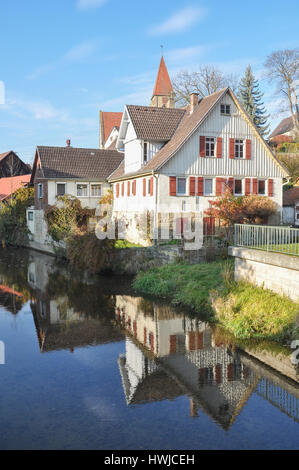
x=262, y=237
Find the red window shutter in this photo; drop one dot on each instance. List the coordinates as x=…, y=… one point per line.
x=209, y=226
x=128, y=188
x=248, y=149
x=144, y=336
x=117, y=190
x=192, y=186
x=172, y=186
x=202, y=146
x=219, y=147
x=199, y=340
x=152, y=342
x=144, y=187
x=172, y=348
x=219, y=186
x=134, y=188
x=247, y=186
x=254, y=186
x=135, y=329
x=218, y=374
x=231, y=185
x=191, y=341
x=270, y=188
x=232, y=148
x=152, y=186
x=200, y=186
x=123, y=189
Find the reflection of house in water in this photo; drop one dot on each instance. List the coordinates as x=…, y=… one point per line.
x=58, y=324
x=169, y=354
x=10, y=299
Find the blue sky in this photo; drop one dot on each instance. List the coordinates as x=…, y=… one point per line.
x=61, y=61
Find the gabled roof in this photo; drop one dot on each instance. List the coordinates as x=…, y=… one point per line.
x=9, y=185
x=158, y=124
x=284, y=126
x=291, y=196
x=109, y=121
x=3, y=155
x=186, y=127
x=78, y=163
x=163, y=84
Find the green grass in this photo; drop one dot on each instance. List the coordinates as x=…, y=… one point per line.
x=288, y=249
x=119, y=244
x=246, y=311
x=181, y=284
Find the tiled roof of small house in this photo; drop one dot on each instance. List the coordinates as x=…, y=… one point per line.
x=9, y=185
x=284, y=126
x=291, y=196
x=152, y=123
x=81, y=163
x=3, y=155
x=110, y=120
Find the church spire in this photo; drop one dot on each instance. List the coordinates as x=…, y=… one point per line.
x=163, y=95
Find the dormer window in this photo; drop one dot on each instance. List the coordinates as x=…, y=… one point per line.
x=225, y=109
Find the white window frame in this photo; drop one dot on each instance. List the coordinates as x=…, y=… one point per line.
x=57, y=183
x=258, y=182
x=209, y=147
x=226, y=106
x=242, y=187
x=177, y=186
x=30, y=213
x=96, y=184
x=204, y=187
x=82, y=184
x=239, y=143
x=40, y=191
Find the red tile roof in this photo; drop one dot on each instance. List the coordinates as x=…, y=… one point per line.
x=163, y=84
x=284, y=126
x=3, y=155
x=280, y=139
x=291, y=196
x=9, y=185
x=110, y=120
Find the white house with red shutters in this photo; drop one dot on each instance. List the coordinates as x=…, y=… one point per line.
x=177, y=160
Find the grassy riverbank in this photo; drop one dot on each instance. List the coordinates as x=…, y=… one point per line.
x=242, y=309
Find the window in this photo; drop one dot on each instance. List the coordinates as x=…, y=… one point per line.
x=30, y=216
x=96, y=190
x=82, y=190
x=40, y=191
x=238, y=187
x=145, y=152
x=262, y=187
x=60, y=189
x=149, y=186
x=208, y=187
x=181, y=186
x=225, y=109
x=239, y=148
x=210, y=147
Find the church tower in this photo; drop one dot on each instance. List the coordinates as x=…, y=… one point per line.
x=163, y=96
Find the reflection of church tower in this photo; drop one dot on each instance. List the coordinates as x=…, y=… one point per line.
x=163, y=95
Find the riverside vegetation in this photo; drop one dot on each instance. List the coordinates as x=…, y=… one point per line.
x=246, y=311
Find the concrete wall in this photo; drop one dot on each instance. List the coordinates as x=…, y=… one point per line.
x=274, y=271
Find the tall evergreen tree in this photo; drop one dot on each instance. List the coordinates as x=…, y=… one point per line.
x=251, y=98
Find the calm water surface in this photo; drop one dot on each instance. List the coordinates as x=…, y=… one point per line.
x=91, y=366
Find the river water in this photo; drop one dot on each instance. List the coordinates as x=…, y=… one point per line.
x=89, y=365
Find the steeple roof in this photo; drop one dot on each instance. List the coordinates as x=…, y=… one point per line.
x=163, y=84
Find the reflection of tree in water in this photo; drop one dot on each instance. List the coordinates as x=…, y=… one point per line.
x=14, y=288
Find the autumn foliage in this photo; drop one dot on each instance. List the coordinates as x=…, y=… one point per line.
x=231, y=210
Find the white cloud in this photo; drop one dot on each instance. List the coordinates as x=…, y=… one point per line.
x=179, y=21
x=78, y=53
x=87, y=4
x=186, y=53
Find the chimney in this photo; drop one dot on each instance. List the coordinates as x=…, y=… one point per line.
x=68, y=143
x=193, y=101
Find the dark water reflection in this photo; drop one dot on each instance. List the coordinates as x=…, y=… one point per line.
x=91, y=366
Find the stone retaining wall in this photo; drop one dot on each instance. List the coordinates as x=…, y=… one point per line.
x=274, y=271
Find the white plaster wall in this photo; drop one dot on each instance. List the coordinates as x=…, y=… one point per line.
x=71, y=189
x=138, y=203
